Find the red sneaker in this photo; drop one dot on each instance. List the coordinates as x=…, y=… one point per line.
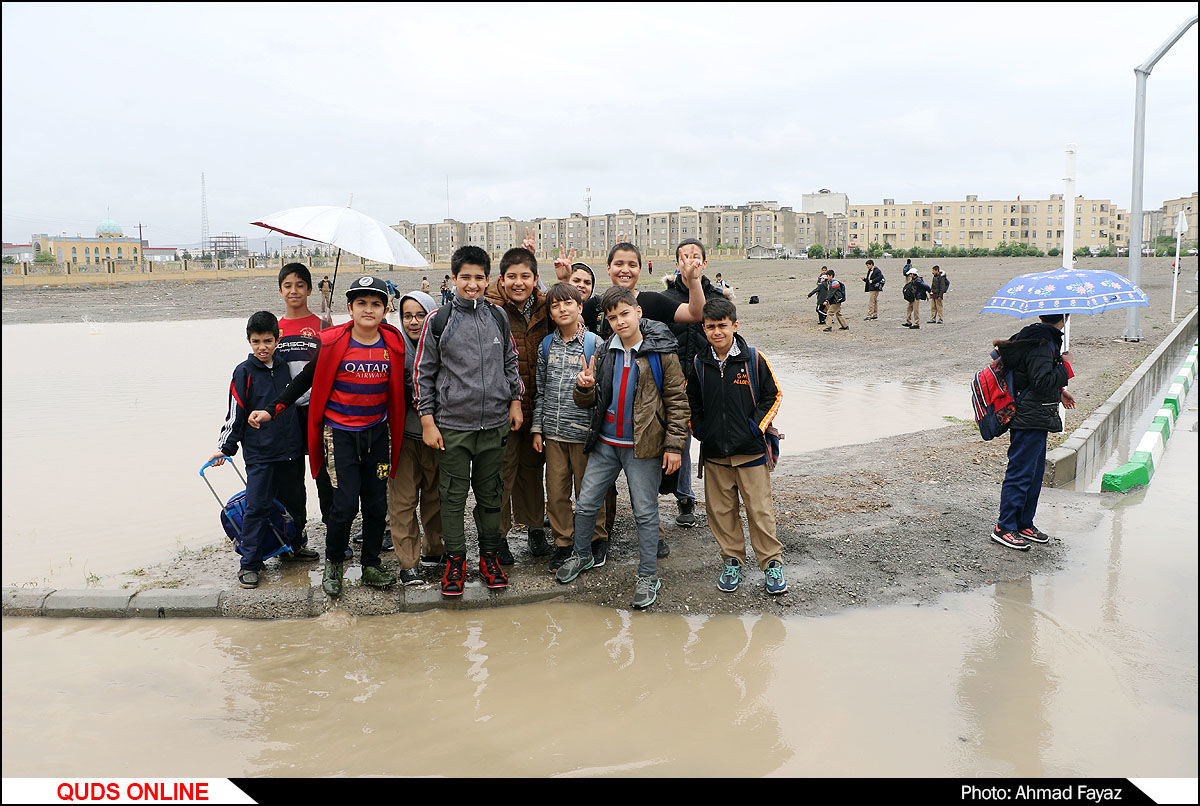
x=1033, y=534
x=455, y=575
x=491, y=571
x=1010, y=539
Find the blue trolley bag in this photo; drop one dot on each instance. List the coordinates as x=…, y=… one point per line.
x=283, y=528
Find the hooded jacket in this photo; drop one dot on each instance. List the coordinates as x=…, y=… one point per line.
x=689, y=335
x=319, y=376
x=254, y=386
x=1039, y=375
x=467, y=376
x=872, y=279
x=659, y=421
x=527, y=334
x=726, y=418
x=412, y=420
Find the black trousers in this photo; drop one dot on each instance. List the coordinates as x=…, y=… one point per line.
x=358, y=464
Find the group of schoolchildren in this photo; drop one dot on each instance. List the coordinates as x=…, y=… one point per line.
x=526, y=396
x=831, y=293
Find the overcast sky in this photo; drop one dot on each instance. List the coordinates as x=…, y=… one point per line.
x=118, y=109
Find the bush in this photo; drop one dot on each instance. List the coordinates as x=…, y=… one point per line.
x=875, y=250
x=1055, y=252
x=816, y=252
x=1082, y=251
x=44, y=257
x=916, y=251
x=855, y=252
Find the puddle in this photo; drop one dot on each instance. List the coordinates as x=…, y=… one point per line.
x=101, y=455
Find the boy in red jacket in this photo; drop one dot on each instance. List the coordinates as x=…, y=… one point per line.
x=357, y=383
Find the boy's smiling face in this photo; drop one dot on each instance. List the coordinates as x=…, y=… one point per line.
x=566, y=313
x=625, y=269
x=263, y=346
x=582, y=279
x=518, y=282
x=412, y=317
x=294, y=292
x=471, y=281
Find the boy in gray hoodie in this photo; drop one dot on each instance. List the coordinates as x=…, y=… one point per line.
x=416, y=479
x=468, y=398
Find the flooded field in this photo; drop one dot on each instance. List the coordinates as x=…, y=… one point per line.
x=1090, y=671
x=101, y=454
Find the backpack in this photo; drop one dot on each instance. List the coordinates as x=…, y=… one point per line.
x=882, y=281
x=837, y=294
x=442, y=318
x=771, y=437
x=589, y=349
x=946, y=280
x=921, y=288
x=992, y=400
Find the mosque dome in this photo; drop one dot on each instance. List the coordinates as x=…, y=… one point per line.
x=109, y=229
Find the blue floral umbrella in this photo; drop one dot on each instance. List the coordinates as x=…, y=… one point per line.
x=1065, y=291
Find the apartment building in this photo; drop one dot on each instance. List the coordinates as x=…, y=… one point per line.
x=902, y=226
x=1170, y=215
x=658, y=233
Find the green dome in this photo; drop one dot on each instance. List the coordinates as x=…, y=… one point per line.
x=109, y=229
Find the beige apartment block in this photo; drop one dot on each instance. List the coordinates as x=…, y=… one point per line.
x=658, y=233
x=601, y=232
x=702, y=225
x=575, y=231
x=448, y=236
x=731, y=227
x=812, y=229
x=900, y=226
x=407, y=230
x=1170, y=215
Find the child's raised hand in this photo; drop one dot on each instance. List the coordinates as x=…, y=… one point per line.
x=562, y=264
x=587, y=375
x=530, y=241
x=258, y=417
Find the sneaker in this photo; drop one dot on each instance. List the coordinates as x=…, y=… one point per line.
x=686, y=517
x=663, y=549
x=331, y=580
x=433, y=560
x=645, y=593
x=599, y=553
x=915, y=327
x=387, y=541
x=940, y=322
x=1034, y=535
x=248, y=579
x=875, y=317
x=538, y=547
x=906, y=324
x=847, y=327
x=357, y=537
x=931, y=322
x=731, y=577
x=826, y=329
x=455, y=574
x=868, y=318
x=300, y=553
x=1010, y=539
x=504, y=553
x=491, y=570
x=776, y=584
x=409, y=576
x=560, y=556
x=573, y=566
x=378, y=577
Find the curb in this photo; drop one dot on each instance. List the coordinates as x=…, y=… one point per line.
x=1140, y=468
x=1090, y=443
x=283, y=601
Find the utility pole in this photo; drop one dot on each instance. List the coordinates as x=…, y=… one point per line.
x=588, y=198
x=1133, y=331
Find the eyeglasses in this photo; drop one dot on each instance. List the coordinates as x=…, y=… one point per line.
x=412, y=317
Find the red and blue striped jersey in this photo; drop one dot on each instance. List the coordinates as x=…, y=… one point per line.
x=358, y=399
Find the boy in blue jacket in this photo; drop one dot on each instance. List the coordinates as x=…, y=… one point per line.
x=734, y=396
x=274, y=454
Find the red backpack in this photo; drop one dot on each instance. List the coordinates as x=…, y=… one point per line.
x=992, y=400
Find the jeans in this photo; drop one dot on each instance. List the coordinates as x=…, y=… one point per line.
x=1022, y=479
x=605, y=463
x=267, y=482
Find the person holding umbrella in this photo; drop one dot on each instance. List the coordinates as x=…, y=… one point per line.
x=1040, y=374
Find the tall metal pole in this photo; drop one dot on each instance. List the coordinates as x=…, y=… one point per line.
x=1068, y=252
x=1133, y=331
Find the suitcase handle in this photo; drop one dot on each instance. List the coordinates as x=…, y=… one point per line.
x=209, y=464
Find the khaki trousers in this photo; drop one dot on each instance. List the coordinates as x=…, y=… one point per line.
x=914, y=312
x=722, y=485
x=565, y=463
x=834, y=311
x=524, y=499
x=872, y=304
x=935, y=307
x=415, y=483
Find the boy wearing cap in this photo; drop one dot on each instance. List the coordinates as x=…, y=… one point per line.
x=356, y=413
x=915, y=290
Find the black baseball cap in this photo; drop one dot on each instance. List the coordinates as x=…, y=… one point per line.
x=367, y=285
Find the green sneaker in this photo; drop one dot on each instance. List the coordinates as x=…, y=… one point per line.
x=331, y=580
x=378, y=577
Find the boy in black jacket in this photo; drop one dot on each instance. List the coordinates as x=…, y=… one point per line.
x=274, y=453
x=1040, y=373
x=733, y=403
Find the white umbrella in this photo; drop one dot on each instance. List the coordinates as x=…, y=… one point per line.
x=348, y=230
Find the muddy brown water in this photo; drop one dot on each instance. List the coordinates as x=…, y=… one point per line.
x=1085, y=672
x=101, y=454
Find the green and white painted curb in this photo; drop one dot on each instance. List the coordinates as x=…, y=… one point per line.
x=1140, y=468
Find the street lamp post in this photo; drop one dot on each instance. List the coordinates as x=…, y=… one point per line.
x=1133, y=330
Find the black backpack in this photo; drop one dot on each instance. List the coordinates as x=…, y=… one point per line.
x=838, y=293
x=921, y=288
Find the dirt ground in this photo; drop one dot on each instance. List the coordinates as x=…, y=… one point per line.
x=901, y=519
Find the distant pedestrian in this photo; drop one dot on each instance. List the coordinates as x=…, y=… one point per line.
x=873, y=281
x=822, y=292
x=722, y=286
x=1040, y=373
x=915, y=290
x=425, y=285
x=938, y=286
x=833, y=303
x=650, y=266
x=446, y=294
x=326, y=289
